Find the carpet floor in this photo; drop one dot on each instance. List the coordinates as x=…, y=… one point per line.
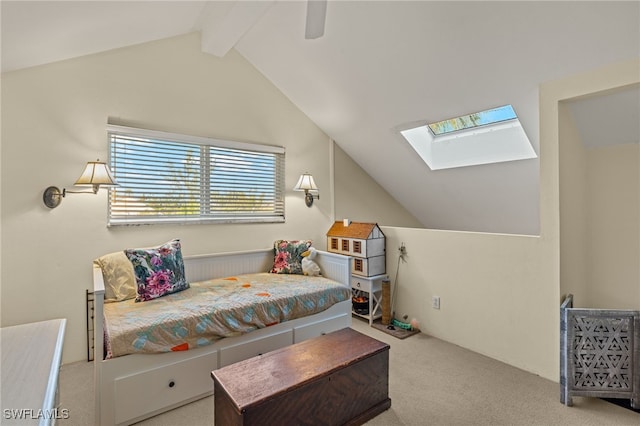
x=624, y=403
x=431, y=382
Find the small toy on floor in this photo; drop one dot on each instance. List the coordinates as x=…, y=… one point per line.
x=400, y=324
x=413, y=325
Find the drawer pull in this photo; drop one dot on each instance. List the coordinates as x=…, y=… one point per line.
x=172, y=384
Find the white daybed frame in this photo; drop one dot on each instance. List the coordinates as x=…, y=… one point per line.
x=134, y=387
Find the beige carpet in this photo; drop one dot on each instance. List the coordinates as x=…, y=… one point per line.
x=431, y=382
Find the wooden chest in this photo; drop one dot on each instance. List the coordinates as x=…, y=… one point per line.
x=336, y=379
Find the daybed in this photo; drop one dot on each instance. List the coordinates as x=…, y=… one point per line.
x=134, y=387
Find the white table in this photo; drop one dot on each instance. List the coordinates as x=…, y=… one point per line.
x=373, y=286
x=31, y=357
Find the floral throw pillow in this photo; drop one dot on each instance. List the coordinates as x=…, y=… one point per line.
x=288, y=256
x=158, y=271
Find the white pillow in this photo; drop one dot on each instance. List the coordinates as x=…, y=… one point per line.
x=119, y=279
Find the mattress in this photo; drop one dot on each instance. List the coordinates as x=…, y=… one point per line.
x=211, y=310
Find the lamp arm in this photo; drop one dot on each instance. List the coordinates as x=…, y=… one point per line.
x=52, y=196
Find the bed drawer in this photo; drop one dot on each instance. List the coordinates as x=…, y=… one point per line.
x=258, y=346
x=148, y=391
x=315, y=329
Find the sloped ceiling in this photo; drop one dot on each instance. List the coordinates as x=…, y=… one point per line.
x=380, y=66
x=608, y=118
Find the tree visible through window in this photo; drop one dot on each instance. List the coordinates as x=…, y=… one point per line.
x=176, y=178
x=477, y=119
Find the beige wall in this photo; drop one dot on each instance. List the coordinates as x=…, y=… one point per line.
x=491, y=288
x=599, y=220
x=361, y=199
x=500, y=294
x=613, y=249
x=53, y=122
x=574, y=228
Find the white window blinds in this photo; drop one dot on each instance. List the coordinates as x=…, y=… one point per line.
x=171, y=178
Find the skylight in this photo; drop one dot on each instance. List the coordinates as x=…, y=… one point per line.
x=485, y=137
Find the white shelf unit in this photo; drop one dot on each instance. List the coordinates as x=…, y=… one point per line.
x=373, y=287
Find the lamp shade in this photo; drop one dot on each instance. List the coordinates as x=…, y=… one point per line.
x=306, y=183
x=96, y=173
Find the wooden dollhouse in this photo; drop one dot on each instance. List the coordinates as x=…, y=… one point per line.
x=365, y=242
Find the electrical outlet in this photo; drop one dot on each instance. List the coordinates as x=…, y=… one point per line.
x=435, y=302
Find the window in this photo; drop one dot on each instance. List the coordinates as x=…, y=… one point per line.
x=491, y=136
x=482, y=118
x=170, y=178
x=345, y=245
x=357, y=246
x=334, y=244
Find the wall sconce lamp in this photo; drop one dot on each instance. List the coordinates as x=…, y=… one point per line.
x=308, y=185
x=96, y=173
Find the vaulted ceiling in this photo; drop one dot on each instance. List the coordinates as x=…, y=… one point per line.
x=380, y=66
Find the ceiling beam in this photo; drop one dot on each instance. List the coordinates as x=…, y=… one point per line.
x=222, y=24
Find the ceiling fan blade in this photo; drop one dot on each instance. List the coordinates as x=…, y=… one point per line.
x=316, y=14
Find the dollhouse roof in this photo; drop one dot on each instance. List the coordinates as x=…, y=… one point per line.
x=359, y=230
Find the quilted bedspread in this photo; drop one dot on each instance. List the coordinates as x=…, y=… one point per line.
x=214, y=309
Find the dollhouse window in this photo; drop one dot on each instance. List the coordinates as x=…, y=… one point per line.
x=357, y=264
x=334, y=244
x=357, y=247
x=345, y=245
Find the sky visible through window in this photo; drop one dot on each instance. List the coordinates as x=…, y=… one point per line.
x=482, y=118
